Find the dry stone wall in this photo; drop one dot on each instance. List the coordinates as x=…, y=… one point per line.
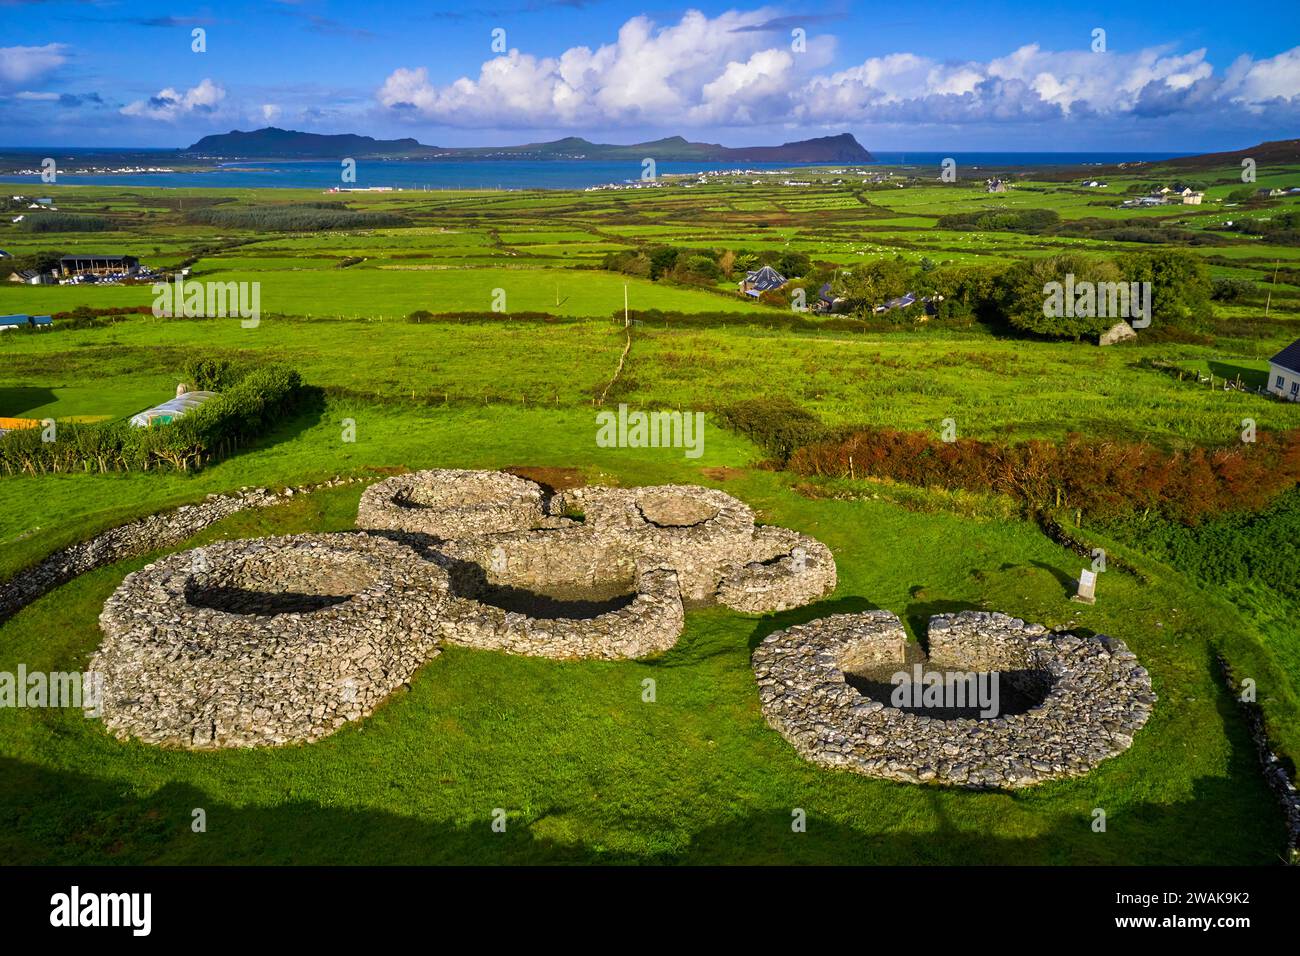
x=134, y=539
x=1098, y=699
x=452, y=503
x=266, y=640
x=280, y=640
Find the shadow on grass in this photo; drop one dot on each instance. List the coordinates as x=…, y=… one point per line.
x=1250, y=377
x=58, y=818
x=802, y=615
x=1069, y=585
x=306, y=415
x=16, y=399
x=51, y=816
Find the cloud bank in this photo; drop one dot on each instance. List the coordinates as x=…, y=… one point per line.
x=735, y=70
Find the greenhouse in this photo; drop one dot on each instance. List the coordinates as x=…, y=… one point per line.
x=171, y=409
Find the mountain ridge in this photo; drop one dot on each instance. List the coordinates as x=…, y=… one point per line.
x=274, y=143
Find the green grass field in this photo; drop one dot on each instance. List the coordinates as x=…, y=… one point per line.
x=585, y=771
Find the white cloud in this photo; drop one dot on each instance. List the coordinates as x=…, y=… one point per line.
x=269, y=112
x=730, y=70
x=1254, y=84
x=712, y=66
x=169, y=104
x=19, y=65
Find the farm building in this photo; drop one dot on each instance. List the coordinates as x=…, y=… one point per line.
x=70, y=266
x=171, y=409
x=1284, y=373
x=8, y=322
x=761, y=280
x=931, y=303
x=32, y=277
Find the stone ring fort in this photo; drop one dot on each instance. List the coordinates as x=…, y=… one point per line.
x=282, y=640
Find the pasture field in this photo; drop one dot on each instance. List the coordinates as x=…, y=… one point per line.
x=586, y=771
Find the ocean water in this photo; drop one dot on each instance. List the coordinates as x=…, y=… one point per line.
x=519, y=174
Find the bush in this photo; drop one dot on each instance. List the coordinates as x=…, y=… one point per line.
x=210, y=375
x=1261, y=547
x=1103, y=479
x=44, y=261
x=65, y=222
x=213, y=430
x=703, y=267
x=777, y=425
x=1028, y=221
x=1231, y=290
x=1180, y=286
x=1021, y=293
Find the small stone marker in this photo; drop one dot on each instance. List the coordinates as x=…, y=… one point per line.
x=1087, y=587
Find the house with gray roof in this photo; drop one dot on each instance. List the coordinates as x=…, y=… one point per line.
x=1284, y=373
x=761, y=280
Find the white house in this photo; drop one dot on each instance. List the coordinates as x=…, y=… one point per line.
x=1284, y=372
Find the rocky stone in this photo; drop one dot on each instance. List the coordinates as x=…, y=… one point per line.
x=265, y=641
x=1097, y=698
x=284, y=640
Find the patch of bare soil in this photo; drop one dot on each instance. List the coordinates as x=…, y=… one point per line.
x=550, y=478
x=723, y=473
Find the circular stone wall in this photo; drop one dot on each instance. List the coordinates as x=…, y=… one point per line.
x=706, y=536
x=780, y=569
x=265, y=641
x=279, y=640
x=1098, y=698
x=649, y=623
x=451, y=503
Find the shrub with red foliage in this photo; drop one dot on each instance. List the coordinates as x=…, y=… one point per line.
x=1103, y=479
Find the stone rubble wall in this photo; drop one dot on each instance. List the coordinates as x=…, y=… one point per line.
x=981, y=641
x=280, y=640
x=178, y=674
x=1100, y=697
x=649, y=625
x=134, y=539
x=452, y=503
x=707, y=536
x=781, y=570
x=1275, y=770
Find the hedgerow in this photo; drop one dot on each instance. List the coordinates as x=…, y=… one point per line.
x=1101, y=479
x=213, y=430
x=295, y=218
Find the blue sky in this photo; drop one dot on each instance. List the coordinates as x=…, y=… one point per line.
x=1003, y=75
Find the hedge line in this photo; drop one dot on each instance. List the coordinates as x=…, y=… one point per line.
x=213, y=430
x=302, y=217
x=1102, y=479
